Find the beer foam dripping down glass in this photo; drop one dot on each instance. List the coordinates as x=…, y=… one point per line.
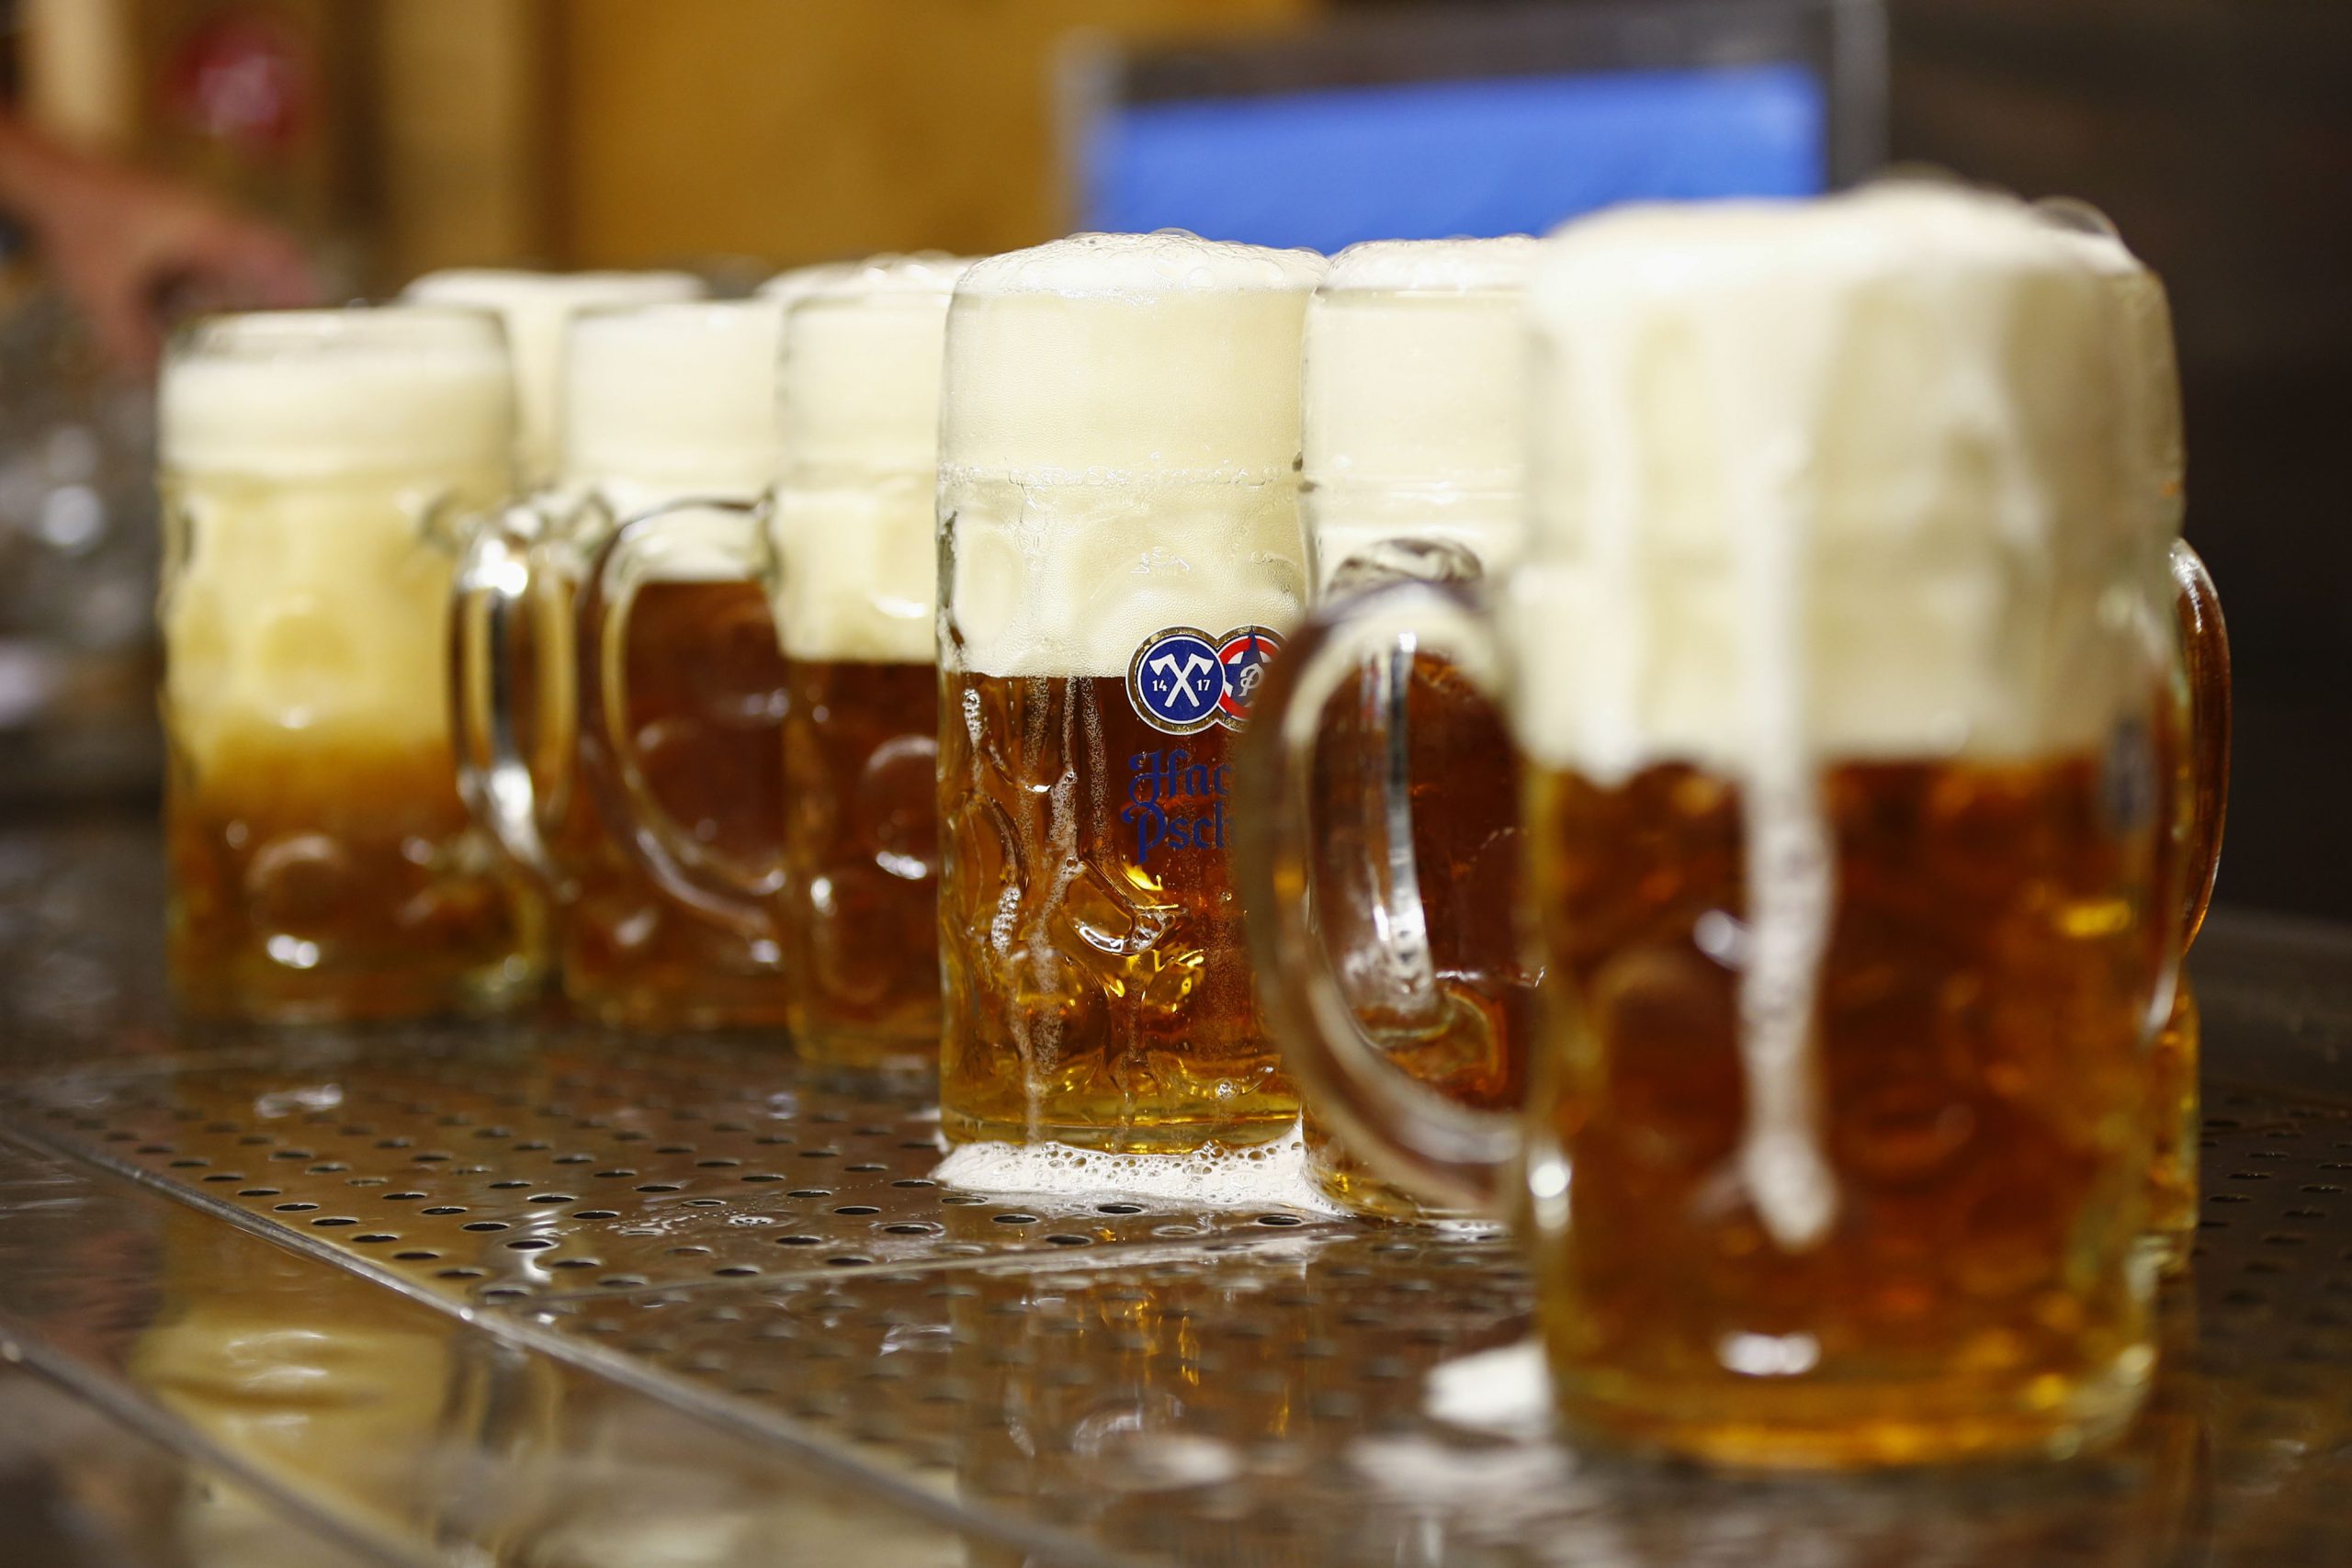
x=1719, y=453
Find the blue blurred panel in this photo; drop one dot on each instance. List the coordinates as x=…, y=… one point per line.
x=1427, y=160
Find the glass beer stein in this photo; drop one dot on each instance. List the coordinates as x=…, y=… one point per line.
x=1832, y=661
x=1412, y=466
x=1120, y=557
x=538, y=309
x=845, y=556
x=662, y=402
x=318, y=468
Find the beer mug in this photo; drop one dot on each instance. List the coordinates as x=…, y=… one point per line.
x=662, y=402
x=1412, y=467
x=1835, y=661
x=1120, y=557
x=318, y=470
x=846, y=556
x=537, y=309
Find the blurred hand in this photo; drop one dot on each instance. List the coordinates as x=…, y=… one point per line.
x=122, y=243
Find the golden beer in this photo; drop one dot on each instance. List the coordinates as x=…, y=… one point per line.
x=1120, y=555
x=319, y=470
x=1098, y=988
x=860, y=844
x=1978, y=1042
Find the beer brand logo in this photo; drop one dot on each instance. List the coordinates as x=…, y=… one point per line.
x=1182, y=679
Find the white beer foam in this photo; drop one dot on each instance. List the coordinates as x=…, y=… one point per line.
x=1415, y=398
x=856, y=523
x=1070, y=580
x=314, y=451
x=1125, y=356
x=1118, y=446
x=860, y=369
x=1416, y=356
x=536, y=308
x=680, y=395
x=2148, y=367
x=1915, y=384
x=1258, y=1176
x=291, y=394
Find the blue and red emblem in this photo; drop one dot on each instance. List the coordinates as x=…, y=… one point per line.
x=1182, y=680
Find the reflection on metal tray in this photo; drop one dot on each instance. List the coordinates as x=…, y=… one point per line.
x=540, y=1296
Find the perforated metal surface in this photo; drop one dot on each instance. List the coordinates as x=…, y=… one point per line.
x=771, y=1261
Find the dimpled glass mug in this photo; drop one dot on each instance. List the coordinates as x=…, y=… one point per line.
x=1838, y=658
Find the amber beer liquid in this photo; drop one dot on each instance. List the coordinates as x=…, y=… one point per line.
x=1468, y=1033
x=1979, y=1039
x=318, y=471
x=1145, y=1011
x=861, y=843
x=707, y=695
x=1120, y=557
x=854, y=586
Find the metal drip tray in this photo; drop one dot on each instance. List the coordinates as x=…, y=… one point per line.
x=541, y=1297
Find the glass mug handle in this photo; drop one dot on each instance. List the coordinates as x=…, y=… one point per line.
x=1449, y=1152
x=2205, y=644
x=489, y=628
x=731, y=536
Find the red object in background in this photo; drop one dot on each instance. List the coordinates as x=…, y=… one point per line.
x=242, y=76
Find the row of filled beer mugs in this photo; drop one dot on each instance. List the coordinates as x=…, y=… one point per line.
x=1826, y=556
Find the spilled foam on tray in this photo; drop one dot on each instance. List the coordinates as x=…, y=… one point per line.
x=1260, y=1176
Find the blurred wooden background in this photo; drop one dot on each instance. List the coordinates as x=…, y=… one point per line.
x=607, y=132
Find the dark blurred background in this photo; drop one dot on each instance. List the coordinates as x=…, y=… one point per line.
x=741, y=135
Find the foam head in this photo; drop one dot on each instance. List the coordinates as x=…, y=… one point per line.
x=1116, y=355
x=854, y=518
x=537, y=307
x=860, y=369
x=311, y=451
x=1415, y=397
x=676, y=397
x=2149, y=386
x=316, y=394
x=1837, y=475
x=1119, y=431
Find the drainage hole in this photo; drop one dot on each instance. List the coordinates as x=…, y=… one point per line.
x=411, y=1256
x=446, y=1209
x=293, y=1208
x=485, y=1225
x=596, y=1214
